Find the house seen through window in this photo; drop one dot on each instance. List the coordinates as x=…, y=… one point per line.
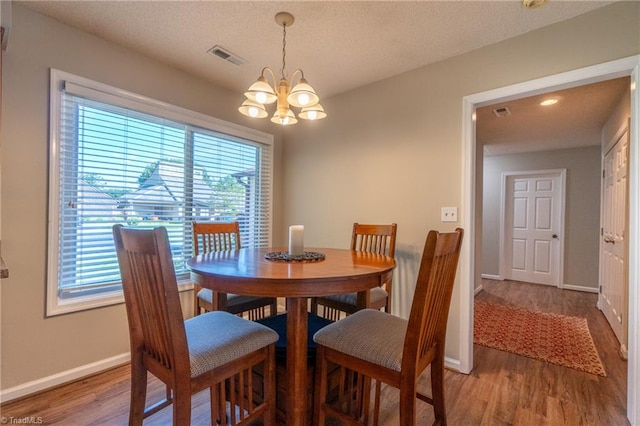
x=115, y=160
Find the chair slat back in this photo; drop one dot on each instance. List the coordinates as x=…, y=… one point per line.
x=215, y=236
x=379, y=239
x=151, y=294
x=430, y=308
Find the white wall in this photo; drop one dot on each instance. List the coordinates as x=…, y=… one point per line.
x=619, y=118
x=35, y=347
x=392, y=151
x=582, y=208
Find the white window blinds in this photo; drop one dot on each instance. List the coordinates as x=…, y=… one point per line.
x=114, y=162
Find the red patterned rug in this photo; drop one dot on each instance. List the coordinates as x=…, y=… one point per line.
x=552, y=338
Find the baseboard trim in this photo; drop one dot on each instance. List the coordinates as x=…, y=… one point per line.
x=492, y=277
x=452, y=364
x=624, y=352
x=477, y=290
x=579, y=288
x=63, y=377
x=58, y=379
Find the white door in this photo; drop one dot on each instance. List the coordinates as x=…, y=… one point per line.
x=533, y=226
x=613, y=247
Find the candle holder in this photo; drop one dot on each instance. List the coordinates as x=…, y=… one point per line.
x=284, y=256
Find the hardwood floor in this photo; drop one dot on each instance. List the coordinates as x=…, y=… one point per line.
x=503, y=389
x=521, y=390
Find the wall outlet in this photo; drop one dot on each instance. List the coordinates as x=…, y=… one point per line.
x=449, y=214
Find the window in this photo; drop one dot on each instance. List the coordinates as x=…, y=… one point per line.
x=117, y=157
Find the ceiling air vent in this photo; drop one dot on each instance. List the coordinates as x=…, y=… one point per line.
x=223, y=53
x=502, y=112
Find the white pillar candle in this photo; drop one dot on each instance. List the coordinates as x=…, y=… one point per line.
x=296, y=240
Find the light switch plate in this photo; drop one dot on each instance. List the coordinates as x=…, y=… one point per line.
x=449, y=214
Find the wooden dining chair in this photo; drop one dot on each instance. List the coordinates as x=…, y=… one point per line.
x=379, y=239
x=371, y=345
x=217, y=350
x=219, y=236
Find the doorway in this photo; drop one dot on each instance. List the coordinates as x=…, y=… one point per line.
x=470, y=273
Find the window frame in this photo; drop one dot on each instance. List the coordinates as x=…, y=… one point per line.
x=57, y=305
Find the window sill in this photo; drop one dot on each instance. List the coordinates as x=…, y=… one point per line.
x=82, y=303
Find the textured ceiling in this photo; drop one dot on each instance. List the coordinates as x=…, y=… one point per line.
x=340, y=45
x=575, y=121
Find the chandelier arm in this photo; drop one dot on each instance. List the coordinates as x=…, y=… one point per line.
x=294, y=74
x=273, y=76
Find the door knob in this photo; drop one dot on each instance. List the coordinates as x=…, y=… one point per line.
x=554, y=236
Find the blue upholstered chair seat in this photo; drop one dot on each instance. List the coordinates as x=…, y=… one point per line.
x=232, y=299
x=352, y=335
x=279, y=325
x=216, y=338
x=376, y=294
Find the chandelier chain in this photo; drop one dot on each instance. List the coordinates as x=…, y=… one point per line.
x=284, y=51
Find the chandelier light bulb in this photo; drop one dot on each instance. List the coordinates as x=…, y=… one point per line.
x=261, y=92
x=261, y=97
x=303, y=99
x=284, y=118
x=253, y=109
x=313, y=112
x=302, y=94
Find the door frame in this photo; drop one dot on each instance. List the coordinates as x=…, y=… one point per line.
x=471, y=216
x=503, y=255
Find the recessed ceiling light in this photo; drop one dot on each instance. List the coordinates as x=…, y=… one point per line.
x=548, y=102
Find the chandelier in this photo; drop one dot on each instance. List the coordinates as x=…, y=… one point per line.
x=285, y=94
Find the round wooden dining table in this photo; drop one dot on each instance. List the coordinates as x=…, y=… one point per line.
x=247, y=271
